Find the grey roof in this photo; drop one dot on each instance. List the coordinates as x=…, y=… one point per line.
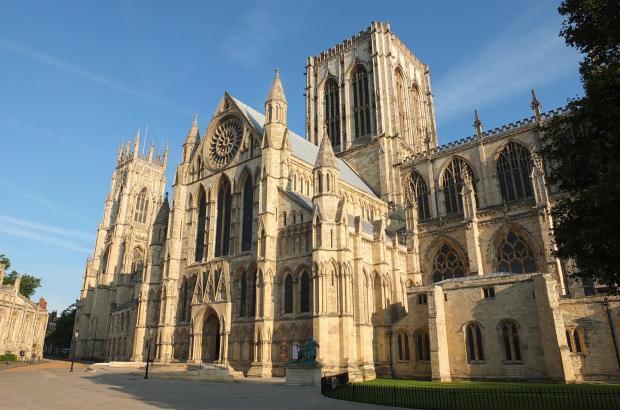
x=476, y=277
x=306, y=151
x=302, y=200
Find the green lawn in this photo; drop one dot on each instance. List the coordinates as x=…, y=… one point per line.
x=481, y=395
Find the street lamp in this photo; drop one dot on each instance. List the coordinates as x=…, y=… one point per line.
x=148, y=352
x=76, y=334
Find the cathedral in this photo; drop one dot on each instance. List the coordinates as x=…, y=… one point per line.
x=399, y=256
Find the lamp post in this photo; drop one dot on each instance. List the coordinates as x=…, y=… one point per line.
x=76, y=334
x=148, y=352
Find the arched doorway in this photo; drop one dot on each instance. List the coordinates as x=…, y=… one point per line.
x=211, y=338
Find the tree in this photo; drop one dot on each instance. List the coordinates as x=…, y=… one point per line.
x=583, y=146
x=5, y=261
x=61, y=336
x=27, y=285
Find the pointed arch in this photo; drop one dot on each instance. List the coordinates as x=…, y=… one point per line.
x=514, y=166
x=332, y=110
x=248, y=213
x=201, y=227
x=512, y=251
x=142, y=206
x=224, y=202
x=401, y=104
x=417, y=194
x=361, y=101
x=447, y=262
x=452, y=179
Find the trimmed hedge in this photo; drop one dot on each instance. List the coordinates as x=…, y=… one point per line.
x=8, y=357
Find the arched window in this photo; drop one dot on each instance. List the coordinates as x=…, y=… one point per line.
x=137, y=264
x=510, y=339
x=320, y=182
x=576, y=339
x=401, y=102
x=201, y=228
x=222, y=235
x=243, y=296
x=514, y=255
x=514, y=166
x=400, y=347
x=416, y=115
x=378, y=294
x=253, y=284
x=447, y=264
x=423, y=347
x=318, y=235
x=361, y=102
x=288, y=294
x=142, y=207
x=406, y=347
x=304, y=290
x=248, y=211
x=474, y=343
x=417, y=193
x=284, y=218
x=332, y=110
x=452, y=183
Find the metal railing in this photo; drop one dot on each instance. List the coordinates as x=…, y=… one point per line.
x=510, y=397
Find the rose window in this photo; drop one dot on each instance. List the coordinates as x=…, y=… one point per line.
x=224, y=143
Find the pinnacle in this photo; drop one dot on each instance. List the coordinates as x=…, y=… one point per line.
x=277, y=90
x=326, y=156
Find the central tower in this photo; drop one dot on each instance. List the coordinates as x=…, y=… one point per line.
x=374, y=98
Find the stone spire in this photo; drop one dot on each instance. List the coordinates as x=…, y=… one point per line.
x=477, y=125
x=192, y=140
x=535, y=105
x=326, y=156
x=276, y=93
x=136, y=145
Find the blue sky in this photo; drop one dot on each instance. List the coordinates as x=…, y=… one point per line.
x=77, y=77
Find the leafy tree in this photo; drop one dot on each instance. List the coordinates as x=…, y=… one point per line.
x=583, y=146
x=5, y=260
x=61, y=336
x=27, y=285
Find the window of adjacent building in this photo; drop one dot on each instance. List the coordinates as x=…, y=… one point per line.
x=514, y=166
x=201, y=228
x=142, y=207
x=417, y=195
x=288, y=294
x=514, y=255
x=361, y=102
x=332, y=110
x=510, y=339
x=447, y=264
x=488, y=293
x=423, y=346
x=422, y=299
x=473, y=337
x=576, y=339
x=248, y=214
x=452, y=183
x=403, y=347
x=304, y=292
x=222, y=235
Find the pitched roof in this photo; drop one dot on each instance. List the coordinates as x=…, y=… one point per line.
x=305, y=151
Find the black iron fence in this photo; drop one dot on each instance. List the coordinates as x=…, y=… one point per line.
x=510, y=397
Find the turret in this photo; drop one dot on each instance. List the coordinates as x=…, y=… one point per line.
x=275, y=112
x=136, y=145
x=326, y=171
x=477, y=125
x=191, y=141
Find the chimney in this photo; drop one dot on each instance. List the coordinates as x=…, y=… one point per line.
x=43, y=303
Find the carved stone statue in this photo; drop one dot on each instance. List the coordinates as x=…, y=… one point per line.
x=308, y=353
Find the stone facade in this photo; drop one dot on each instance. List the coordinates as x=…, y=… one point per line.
x=400, y=257
x=22, y=322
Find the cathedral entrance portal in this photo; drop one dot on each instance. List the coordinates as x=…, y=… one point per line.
x=211, y=338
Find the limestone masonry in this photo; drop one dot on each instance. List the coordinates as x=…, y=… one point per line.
x=399, y=256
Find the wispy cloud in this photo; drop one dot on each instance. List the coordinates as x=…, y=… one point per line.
x=69, y=68
x=257, y=33
x=525, y=56
x=64, y=238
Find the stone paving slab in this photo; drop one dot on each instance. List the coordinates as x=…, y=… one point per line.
x=51, y=386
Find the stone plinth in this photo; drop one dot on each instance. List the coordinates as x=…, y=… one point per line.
x=307, y=374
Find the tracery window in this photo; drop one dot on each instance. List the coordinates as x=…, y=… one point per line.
x=452, y=183
x=416, y=116
x=447, y=264
x=403, y=347
x=332, y=111
x=361, y=102
x=514, y=166
x=142, y=207
x=423, y=347
x=473, y=336
x=222, y=235
x=417, y=193
x=201, y=228
x=137, y=264
x=510, y=338
x=288, y=294
x=248, y=210
x=401, y=102
x=514, y=255
x=304, y=290
x=378, y=294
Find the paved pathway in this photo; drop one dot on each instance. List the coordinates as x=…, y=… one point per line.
x=51, y=386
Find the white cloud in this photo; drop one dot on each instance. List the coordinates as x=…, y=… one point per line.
x=525, y=56
x=66, y=67
x=64, y=238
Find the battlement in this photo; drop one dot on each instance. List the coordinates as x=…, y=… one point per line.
x=498, y=132
x=126, y=153
x=351, y=41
